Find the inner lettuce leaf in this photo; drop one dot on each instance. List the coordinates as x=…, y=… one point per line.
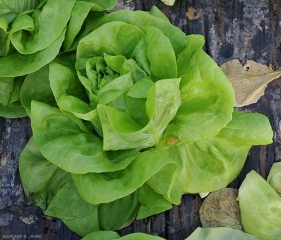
x=261, y=217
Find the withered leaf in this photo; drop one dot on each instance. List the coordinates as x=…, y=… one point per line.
x=193, y=14
x=220, y=209
x=249, y=81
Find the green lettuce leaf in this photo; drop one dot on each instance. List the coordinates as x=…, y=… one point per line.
x=10, y=9
x=274, y=177
x=41, y=180
x=10, y=106
x=122, y=183
x=45, y=28
x=41, y=91
x=79, y=215
x=207, y=96
x=71, y=148
x=53, y=190
x=220, y=233
x=260, y=208
x=213, y=163
x=16, y=64
x=108, y=235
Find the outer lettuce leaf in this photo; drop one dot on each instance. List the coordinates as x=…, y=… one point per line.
x=140, y=236
x=66, y=145
x=102, y=235
x=120, y=184
x=41, y=179
x=10, y=9
x=47, y=25
x=260, y=208
x=207, y=95
x=10, y=106
x=108, y=235
x=79, y=15
x=79, y=215
x=249, y=128
x=119, y=213
x=41, y=91
x=274, y=177
x=16, y=64
x=218, y=160
x=52, y=189
x=220, y=233
x=151, y=202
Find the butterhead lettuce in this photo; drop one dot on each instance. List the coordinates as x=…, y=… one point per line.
x=134, y=114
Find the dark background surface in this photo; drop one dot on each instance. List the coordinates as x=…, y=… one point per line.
x=233, y=29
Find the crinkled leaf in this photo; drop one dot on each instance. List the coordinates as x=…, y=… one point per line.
x=142, y=19
x=48, y=26
x=10, y=9
x=250, y=128
x=274, y=177
x=79, y=13
x=115, y=38
x=122, y=183
x=218, y=160
x=221, y=209
x=207, y=95
x=260, y=208
x=63, y=143
x=17, y=65
x=120, y=131
x=220, y=233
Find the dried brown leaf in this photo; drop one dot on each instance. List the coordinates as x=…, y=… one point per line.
x=249, y=81
x=220, y=209
x=193, y=14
